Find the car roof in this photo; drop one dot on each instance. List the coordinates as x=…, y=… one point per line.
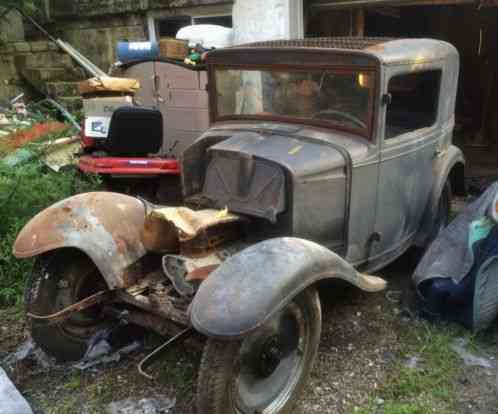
x=387, y=50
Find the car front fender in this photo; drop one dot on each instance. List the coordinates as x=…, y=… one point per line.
x=250, y=287
x=105, y=226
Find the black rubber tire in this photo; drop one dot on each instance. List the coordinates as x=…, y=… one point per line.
x=219, y=357
x=443, y=213
x=42, y=289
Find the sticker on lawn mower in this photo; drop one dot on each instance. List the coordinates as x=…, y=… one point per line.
x=97, y=126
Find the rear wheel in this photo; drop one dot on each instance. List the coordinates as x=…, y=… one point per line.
x=443, y=213
x=266, y=371
x=60, y=279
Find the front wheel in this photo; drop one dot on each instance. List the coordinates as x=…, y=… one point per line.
x=267, y=370
x=60, y=279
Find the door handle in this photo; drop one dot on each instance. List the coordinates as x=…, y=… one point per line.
x=438, y=153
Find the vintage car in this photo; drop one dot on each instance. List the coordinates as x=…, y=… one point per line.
x=326, y=159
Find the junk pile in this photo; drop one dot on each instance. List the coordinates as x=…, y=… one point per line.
x=105, y=347
x=158, y=87
x=22, y=124
x=190, y=45
x=457, y=279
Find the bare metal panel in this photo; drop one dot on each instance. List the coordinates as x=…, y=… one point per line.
x=176, y=77
x=184, y=139
x=187, y=119
x=144, y=73
x=185, y=98
x=184, y=106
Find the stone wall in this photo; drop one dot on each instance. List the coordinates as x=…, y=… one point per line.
x=46, y=68
x=97, y=38
x=84, y=8
x=91, y=26
x=95, y=26
x=12, y=30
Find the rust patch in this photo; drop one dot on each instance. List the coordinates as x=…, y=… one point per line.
x=201, y=273
x=105, y=226
x=173, y=229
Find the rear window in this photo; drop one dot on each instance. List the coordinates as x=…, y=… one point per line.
x=414, y=102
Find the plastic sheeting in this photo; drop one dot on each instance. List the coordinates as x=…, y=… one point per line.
x=449, y=256
x=11, y=400
x=457, y=279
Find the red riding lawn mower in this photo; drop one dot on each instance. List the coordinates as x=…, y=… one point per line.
x=137, y=125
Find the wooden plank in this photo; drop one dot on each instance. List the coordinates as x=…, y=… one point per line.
x=360, y=22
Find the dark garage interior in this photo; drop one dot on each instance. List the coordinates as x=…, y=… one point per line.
x=470, y=26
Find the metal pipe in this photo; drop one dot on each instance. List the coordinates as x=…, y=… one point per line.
x=34, y=23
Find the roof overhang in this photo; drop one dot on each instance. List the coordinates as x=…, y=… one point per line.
x=346, y=4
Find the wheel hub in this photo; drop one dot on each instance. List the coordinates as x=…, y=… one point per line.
x=270, y=358
x=270, y=363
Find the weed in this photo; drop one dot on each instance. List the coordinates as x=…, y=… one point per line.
x=178, y=371
x=74, y=383
x=24, y=191
x=431, y=384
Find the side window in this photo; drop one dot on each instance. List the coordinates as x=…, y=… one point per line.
x=414, y=102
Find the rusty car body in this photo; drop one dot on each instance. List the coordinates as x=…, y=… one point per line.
x=326, y=159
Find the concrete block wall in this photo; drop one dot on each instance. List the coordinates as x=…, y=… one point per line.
x=12, y=31
x=97, y=38
x=43, y=66
x=95, y=26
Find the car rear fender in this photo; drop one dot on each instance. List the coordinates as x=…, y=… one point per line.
x=105, y=226
x=248, y=288
x=449, y=165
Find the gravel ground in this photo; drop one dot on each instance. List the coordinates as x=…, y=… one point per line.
x=361, y=343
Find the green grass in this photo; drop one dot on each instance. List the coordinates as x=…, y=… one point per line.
x=25, y=190
x=429, y=387
x=178, y=369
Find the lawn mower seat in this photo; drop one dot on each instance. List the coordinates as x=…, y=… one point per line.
x=135, y=132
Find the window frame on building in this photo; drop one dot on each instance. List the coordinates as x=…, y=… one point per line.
x=154, y=21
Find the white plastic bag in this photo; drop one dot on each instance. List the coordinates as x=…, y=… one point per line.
x=207, y=35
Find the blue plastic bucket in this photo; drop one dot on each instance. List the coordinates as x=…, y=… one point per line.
x=129, y=51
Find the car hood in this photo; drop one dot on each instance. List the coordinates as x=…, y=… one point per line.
x=254, y=172
x=301, y=156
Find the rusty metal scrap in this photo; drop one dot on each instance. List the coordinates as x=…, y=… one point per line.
x=160, y=304
x=166, y=228
x=66, y=313
x=105, y=226
x=182, y=270
x=201, y=273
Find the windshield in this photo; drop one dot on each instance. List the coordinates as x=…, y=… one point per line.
x=338, y=97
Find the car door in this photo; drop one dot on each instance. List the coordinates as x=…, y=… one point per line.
x=408, y=151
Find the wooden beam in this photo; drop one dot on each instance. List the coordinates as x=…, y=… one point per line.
x=360, y=23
